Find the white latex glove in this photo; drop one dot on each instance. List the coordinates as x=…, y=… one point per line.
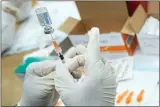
x=39, y=85
x=98, y=88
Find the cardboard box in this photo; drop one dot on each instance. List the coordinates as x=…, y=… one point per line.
x=65, y=45
x=149, y=44
x=108, y=16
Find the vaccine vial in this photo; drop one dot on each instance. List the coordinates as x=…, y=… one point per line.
x=44, y=19
x=43, y=16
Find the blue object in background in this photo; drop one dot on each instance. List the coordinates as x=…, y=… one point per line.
x=22, y=67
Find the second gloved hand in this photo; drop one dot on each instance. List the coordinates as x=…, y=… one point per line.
x=39, y=86
x=98, y=88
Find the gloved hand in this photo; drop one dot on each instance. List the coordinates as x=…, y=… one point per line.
x=98, y=88
x=39, y=85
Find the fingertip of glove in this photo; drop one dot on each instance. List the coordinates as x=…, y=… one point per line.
x=94, y=33
x=95, y=30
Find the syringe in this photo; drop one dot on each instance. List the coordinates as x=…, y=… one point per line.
x=58, y=51
x=45, y=21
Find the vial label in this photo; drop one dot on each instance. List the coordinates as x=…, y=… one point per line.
x=43, y=16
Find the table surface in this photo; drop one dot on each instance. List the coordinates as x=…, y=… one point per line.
x=11, y=84
x=136, y=84
x=141, y=80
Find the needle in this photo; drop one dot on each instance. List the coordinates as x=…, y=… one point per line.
x=51, y=36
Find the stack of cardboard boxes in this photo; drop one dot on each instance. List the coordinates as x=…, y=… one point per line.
x=149, y=44
x=110, y=17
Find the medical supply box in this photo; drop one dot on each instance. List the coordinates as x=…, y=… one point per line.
x=148, y=43
x=109, y=17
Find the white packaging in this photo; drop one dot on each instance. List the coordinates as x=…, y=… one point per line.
x=106, y=39
x=151, y=26
x=123, y=68
x=149, y=44
x=115, y=55
x=148, y=37
x=23, y=8
x=8, y=31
